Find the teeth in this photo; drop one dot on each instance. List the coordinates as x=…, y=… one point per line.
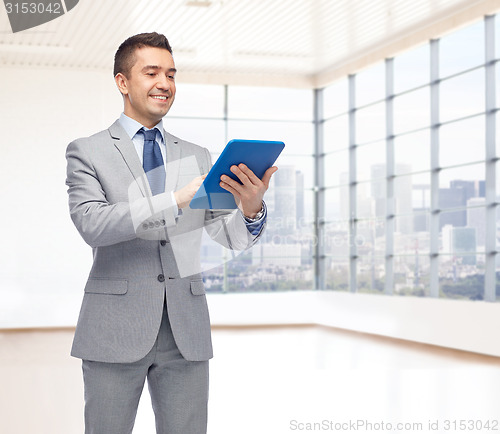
x=160, y=97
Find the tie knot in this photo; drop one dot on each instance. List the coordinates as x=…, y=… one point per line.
x=149, y=135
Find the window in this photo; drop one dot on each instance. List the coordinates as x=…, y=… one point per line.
x=407, y=215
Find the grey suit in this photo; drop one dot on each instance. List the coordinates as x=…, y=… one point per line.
x=143, y=254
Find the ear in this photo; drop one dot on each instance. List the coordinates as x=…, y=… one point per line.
x=121, y=83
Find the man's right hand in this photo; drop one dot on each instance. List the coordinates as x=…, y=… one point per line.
x=186, y=193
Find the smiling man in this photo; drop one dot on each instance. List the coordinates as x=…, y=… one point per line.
x=142, y=316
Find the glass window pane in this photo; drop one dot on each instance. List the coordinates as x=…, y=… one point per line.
x=370, y=84
x=336, y=98
x=412, y=69
x=421, y=192
x=370, y=238
x=457, y=235
x=270, y=268
x=302, y=166
x=412, y=152
x=462, y=49
x=454, y=219
x=462, y=142
x=337, y=238
x=209, y=133
x=403, y=198
x=412, y=234
x=461, y=276
x=298, y=137
x=337, y=203
x=305, y=207
x=476, y=218
x=198, y=100
x=411, y=275
x=459, y=184
x=337, y=273
x=462, y=185
x=371, y=198
x=462, y=96
x=336, y=133
x=336, y=167
x=292, y=213
x=270, y=103
x=412, y=110
x=287, y=201
x=366, y=205
x=370, y=161
x=370, y=123
x=378, y=191
x=370, y=276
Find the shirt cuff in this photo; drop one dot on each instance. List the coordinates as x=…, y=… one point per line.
x=254, y=227
x=177, y=211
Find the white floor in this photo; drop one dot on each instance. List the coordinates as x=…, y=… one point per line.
x=274, y=380
x=307, y=379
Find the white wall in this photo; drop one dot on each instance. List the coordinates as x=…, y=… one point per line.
x=43, y=261
x=464, y=325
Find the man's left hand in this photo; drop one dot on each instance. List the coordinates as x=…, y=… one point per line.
x=248, y=195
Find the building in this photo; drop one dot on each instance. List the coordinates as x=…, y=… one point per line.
x=460, y=243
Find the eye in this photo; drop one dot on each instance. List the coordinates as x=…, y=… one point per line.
x=151, y=74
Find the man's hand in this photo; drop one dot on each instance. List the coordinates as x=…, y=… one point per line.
x=186, y=193
x=248, y=195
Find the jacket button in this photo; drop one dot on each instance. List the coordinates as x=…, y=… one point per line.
x=163, y=242
x=161, y=278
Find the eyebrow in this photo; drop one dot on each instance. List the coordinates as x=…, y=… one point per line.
x=156, y=67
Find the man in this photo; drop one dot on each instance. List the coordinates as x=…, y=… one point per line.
x=144, y=313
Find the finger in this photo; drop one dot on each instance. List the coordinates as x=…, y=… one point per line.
x=231, y=190
x=241, y=175
x=267, y=176
x=230, y=181
x=248, y=172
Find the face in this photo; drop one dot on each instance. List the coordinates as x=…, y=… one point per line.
x=150, y=89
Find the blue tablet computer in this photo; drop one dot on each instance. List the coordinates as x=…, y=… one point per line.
x=258, y=155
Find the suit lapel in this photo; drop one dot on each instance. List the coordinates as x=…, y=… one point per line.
x=172, y=165
x=123, y=143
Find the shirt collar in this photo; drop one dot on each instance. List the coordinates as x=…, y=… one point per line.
x=131, y=126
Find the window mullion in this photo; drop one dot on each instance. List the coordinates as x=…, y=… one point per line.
x=434, y=217
x=319, y=193
x=490, y=184
x=352, y=187
x=390, y=171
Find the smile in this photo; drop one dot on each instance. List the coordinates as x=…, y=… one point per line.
x=160, y=97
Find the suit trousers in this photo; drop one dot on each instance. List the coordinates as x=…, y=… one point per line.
x=178, y=389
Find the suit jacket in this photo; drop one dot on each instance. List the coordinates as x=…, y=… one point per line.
x=142, y=252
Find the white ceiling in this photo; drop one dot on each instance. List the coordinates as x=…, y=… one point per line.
x=287, y=42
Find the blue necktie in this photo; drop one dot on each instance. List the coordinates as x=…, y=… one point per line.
x=152, y=159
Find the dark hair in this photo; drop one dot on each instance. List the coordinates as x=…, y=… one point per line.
x=125, y=55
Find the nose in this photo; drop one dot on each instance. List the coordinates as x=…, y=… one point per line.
x=163, y=82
